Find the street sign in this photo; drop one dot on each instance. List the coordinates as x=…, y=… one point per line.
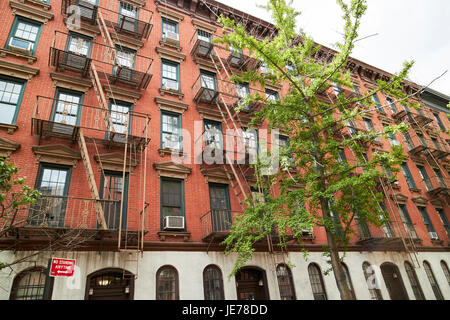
x=62, y=267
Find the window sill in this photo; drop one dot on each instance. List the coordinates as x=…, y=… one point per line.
x=43, y=5
x=9, y=52
x=10, y=128
x=437, y=242
x=174, y=234
x=415, y=190
x=168, y=152
x=171, y=92
x=171, y=44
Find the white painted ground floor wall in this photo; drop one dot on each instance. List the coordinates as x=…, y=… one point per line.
x=190, y=266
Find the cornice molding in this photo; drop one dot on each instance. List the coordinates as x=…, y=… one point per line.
x=85, y=29
x=171, y=169
x=171, y=105
x=128, y=42
x=203, y=26
x=70, y=82
x=420, y=201
x=7, y=147
x=24, y=10
x=215, y=175
x=43, y=5
x=17, y=70
x=115, y=161
x=120, y=93
x=56, y=153
x=169, y=14
x=170, y=54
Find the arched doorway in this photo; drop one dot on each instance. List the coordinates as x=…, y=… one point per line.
x=394, y=283
x=110, y=284
x=251, y=284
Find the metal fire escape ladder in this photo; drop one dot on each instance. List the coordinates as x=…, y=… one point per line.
x=241, y=194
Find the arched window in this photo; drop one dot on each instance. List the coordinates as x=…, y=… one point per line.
x=349, y=280
x=167, y=283
x=372, y=283
x=285, y=282
x=213, y=283
x=30, y=284
x=446, y=272
x=433, y=282
x=315, y=277
x=415, y=285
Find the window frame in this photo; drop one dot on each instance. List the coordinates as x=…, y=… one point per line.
x=289, y=282
x=414, y=281
x=13, y=30
x=72, y=35
x=176, y=280
x=60, y=90
x=116, y=174
x=219, y=126
x=172, y=64
x=432, y=280
x=318, y=276
x=182, y=201
x=206, y=281
x=165, y=21
x=408, y=176
x=180, y=126
x=24, y=273
x=23, y=83
x=375, y=293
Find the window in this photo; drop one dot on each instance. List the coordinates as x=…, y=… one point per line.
x=338, y=231
x=79, y=44
x=111, y=185
x=348, y=279
x=30, y=285
x=408, y=176
x=387, y=227
x=243, y=91
x=213, y=134
x=446, y=271
x=391, y=105
x=422, y=140
x=67, y=107
x=208, y=80
x=170, y=75
x=169, y=30
x=53, y=183
x=425, y=178
x=172, y=199
x=167, y=284
x=285, y=282
x=337, y=89
x=213, y=283
x=126, y=57
x=415, y=285
x=409, y=228
x=250, y=141
x=204, y=36
x=369, y=274
x=341, y=156
x=439, y=176
x=444, y=220
x=24, y=35
x=377, y=103
x=272, y=96
x=392, y=140
x=121, y=119
x=408, y=140
x=426, y=220
x=171, y=137
x=11, y=93
x=369, y=126
x=433, y=282
x=439, y=121
x=436, y=143
x=219, y=199
x=315, y=278
x=128, y=15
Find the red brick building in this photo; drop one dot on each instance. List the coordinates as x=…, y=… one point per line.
x=90, y=115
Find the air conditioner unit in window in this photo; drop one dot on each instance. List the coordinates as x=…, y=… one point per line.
x=169, y=35
x=170, y=85
x=433, y=235
x=20, y=45
x=173, y=223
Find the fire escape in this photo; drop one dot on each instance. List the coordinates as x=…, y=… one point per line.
x=111, y=214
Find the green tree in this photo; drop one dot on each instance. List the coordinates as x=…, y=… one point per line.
x=332, y=195
x=14, y=196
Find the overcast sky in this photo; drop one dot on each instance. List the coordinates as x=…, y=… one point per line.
x=416, y=30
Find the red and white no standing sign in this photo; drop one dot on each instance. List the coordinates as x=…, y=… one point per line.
x=62, y=267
